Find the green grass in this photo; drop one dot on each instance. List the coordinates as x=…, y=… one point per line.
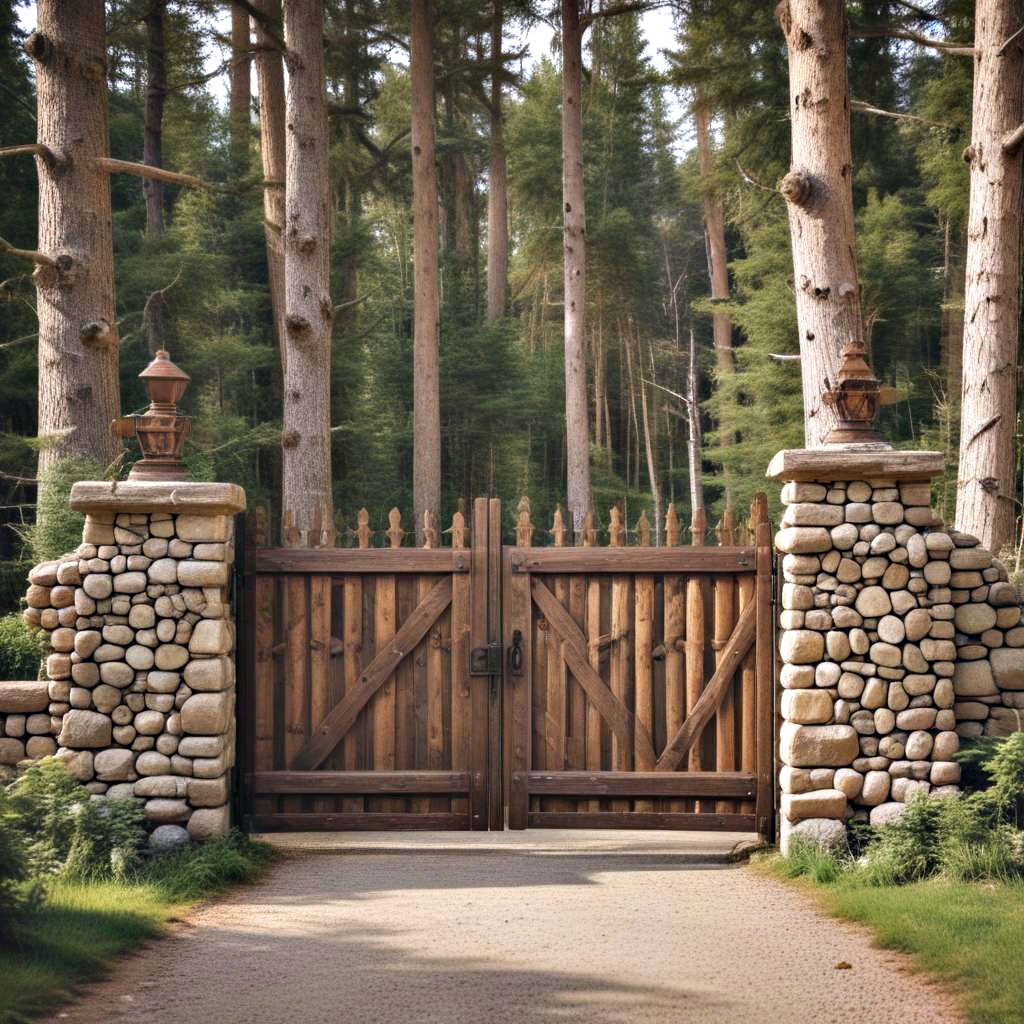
x=83, y=925
x=966, y=935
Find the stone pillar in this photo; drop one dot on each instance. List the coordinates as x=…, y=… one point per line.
x=897, y=638
x=141, y=690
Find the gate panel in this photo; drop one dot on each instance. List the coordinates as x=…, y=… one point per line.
x=359, y=701
x=639, y=681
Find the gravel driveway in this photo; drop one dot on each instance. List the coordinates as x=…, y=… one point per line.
x=511, y=938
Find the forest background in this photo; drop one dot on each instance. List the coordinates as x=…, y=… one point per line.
x=714, y=73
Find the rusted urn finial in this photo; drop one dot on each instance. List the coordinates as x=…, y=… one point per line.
x=855, y=399
x=160, y=431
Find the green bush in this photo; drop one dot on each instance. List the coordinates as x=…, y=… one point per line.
x=66, y=832
x=968, y=838
x=13, y=583
x=193, y=873
x=21, y=650
x=17, y=892
x=58, y=528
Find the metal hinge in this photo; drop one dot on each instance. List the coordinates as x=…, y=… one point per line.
x=485, y=661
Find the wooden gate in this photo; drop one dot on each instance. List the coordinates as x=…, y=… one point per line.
x=360, y=705
x=639, y=679
x=476, y=685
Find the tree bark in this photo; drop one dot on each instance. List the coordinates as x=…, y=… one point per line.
x=819, y=195
x=426, y=468
x=497, y=183
x=270, y=81
x=307, y=503
x=693, y=432
x=153, y=118
x=240, y=94
x=78, y=383
x=986, y=485
x=574, y=236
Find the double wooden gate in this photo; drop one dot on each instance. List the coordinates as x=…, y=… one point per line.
x=476, y=685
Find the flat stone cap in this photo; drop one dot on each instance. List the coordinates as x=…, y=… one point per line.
x=152, y=496
x=854, y=462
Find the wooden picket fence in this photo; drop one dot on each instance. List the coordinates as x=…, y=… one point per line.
x=471, y=683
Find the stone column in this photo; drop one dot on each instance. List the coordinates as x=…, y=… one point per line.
x=141, y=683
x=898, y=637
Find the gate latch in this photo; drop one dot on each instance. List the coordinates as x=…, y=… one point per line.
x=485, y=661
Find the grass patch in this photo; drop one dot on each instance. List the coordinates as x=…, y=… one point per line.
x=72, y=937
x=964, y=934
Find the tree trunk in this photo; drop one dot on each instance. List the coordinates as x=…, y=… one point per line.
x=78, y=384
x=497, y=184
x=239, y=99
x=426, y=459
x=693, y=432
x=718, y=274
x=951, y=332
x=820, y=198
x=307, y=505
x=270, y=80
x=574, y=233
x=985, y=498
x=649, y=443
x=153, y=118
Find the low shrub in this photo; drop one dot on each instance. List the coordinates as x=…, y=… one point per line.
x=21, y=650
x=973, y=837
x=195, y=872
x=66, y=832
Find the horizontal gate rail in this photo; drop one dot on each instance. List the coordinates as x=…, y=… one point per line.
x=415, y=783
x=642, y=820
x=365, y=821
x=724, y=784
x=324, y=561
x=633, y=560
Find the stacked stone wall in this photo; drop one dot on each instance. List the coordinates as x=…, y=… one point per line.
x=898, y=638
x=139, y=697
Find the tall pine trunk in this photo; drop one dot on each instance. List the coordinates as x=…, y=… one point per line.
x=718, y=274
x=78, y=384
x=988, y=408
x=239, y=98
x=270, y=82
x=153, y=116
x=497, y=182
x=426, y=460
x=307, y=502
x=577, y=432
x=820, y=198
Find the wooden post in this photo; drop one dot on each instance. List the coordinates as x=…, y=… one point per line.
x=747, y=590
x=384, y=701
x=695, y=639
x=462, y=706
x=674, y=633
x=725, y=619
x=764, y=667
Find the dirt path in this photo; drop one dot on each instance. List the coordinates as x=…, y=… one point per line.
x=511, y=938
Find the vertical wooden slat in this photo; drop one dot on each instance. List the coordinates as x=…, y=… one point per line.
x=497, y=785
x=263, y=668
x=674, y=631
x=320, y=662
x=763, y=666
x=353, y=655
x=725, y=619
x=556, y=725
x=432, y=663
x=746, y=587
x=518, y=618
x=478, y=686
x=384, y=701
x=621, y=629
x=405, y=685
x=462, y=707
x=695, y=639
x=295, y=617
x=644, y=677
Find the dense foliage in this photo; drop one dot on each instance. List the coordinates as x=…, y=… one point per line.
x=501, y=383
x=962, y=839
